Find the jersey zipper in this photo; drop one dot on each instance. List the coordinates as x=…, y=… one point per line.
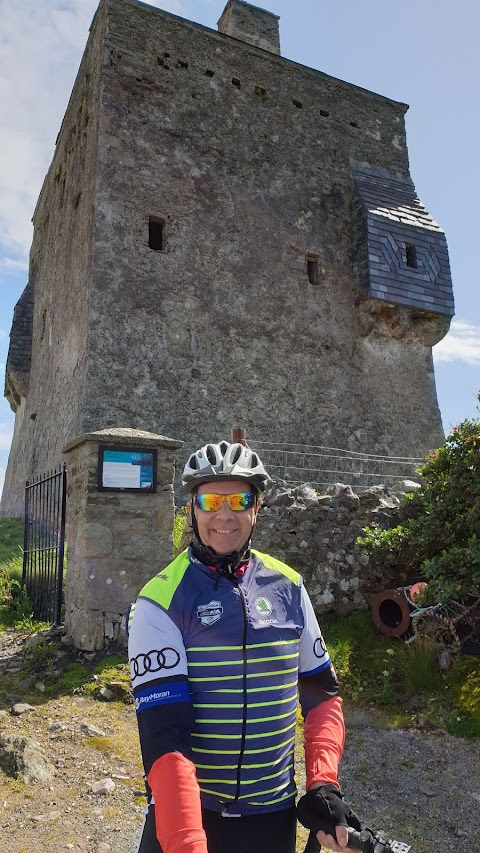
x=225, y=812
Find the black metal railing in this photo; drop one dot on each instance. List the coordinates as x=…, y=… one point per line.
x=44, y=543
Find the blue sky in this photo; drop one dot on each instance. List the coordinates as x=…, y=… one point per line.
x=422, y=52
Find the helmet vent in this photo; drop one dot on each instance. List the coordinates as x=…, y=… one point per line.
x=211, y=454
x=236, y=454
x=193, y=461
x=254, y=460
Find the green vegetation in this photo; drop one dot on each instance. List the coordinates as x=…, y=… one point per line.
x=403, y=680
x=179, y=525
x=15, y=607
x=11, y=540
x=440, y=537
x=73, y=678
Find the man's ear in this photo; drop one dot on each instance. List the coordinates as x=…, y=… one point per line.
x=257, y=507
x=189, y=509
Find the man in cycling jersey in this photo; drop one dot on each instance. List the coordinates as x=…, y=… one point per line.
x=220, y=641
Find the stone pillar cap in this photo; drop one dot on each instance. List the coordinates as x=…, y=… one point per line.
x=125, y=436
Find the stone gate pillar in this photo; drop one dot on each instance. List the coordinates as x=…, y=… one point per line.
x=116, y=539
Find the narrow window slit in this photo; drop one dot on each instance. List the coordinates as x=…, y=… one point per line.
x=312, y=269
x=236, y=82
x=324, y=113
x=296, y=103
x=411, y=255
x=156, y=234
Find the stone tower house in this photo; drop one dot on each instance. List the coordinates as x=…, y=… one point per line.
x=224, y=238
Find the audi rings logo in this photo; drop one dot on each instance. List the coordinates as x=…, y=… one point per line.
x=154, y=661
x=319, y=648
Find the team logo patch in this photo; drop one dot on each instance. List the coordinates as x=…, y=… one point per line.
x=319, y=648
x=209, y=613
x=154, y=661
x=264, y=606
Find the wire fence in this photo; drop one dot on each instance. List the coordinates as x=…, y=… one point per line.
x=322, y=466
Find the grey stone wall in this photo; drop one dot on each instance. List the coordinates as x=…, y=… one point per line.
x=17, y=374
x=245, y=160
x=116, y=541
x=316, y=535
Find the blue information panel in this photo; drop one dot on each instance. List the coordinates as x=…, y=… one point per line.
x=127, y=470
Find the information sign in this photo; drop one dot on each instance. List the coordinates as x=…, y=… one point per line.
x=127, y=470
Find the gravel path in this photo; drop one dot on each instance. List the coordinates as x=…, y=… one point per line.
x=421, y=787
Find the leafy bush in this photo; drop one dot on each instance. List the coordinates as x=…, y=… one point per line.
x=179, y=525
x=440, y=537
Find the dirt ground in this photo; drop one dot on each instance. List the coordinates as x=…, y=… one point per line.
x=419, y=786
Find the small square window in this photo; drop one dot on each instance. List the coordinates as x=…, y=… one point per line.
x=156, y=234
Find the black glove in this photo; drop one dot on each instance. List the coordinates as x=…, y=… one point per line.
x=324, y=808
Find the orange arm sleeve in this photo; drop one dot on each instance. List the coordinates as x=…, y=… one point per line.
x=324, y=739
x=178, y=815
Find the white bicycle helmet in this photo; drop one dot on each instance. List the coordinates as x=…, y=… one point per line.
x=224, y=461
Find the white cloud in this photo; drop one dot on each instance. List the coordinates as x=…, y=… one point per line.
x=13, y=265
x=6, y=435
x=461, y=344
x=42, y=42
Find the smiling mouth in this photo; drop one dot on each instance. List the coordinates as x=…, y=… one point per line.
x=217, y=530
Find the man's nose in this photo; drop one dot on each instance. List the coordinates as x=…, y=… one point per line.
x=225, y=510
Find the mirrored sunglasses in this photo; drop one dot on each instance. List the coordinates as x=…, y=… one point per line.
x=237, y=502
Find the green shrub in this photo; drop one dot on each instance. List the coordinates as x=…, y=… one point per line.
x=440, y=537
x=179, y=525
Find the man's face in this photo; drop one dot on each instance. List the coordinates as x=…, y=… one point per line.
x=225, y=530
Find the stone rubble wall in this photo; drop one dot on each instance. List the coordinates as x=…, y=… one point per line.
x=316, y=535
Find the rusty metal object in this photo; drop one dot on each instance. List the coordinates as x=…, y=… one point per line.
x=391, y=612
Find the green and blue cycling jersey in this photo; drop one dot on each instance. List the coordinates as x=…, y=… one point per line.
x=216, y=665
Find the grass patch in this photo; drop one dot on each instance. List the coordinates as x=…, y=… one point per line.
x=11, y=540
x=402, y=680
x=112, y=667
x=74, y=678
x=419, y=668
x=16, y=609
x=15, y=606
x=104, y=744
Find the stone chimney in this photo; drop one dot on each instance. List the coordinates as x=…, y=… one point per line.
x=250, y=24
